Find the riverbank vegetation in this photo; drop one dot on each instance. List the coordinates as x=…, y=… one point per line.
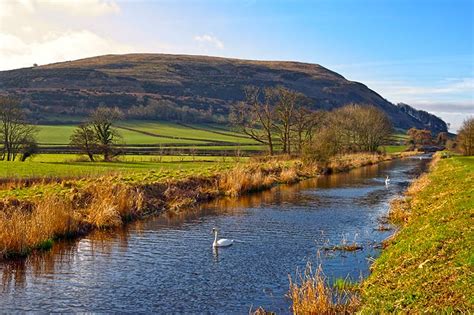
x=312, y=294
x=33, y=213
x=56, y=200
x=427, y=266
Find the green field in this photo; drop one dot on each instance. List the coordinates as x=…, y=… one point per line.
x=150, y=133
x=428, y=267
x=394, y=148
x=68, y=165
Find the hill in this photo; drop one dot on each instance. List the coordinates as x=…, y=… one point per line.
x=184, y=88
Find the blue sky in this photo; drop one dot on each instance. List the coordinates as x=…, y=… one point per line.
x=418, y=52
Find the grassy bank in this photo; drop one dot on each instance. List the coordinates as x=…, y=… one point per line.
x=72, y=166
x=33, y=214
x=427, y=266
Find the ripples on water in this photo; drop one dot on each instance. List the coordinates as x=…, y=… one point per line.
x=167, y=264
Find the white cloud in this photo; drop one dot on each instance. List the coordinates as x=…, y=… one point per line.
x=209, y=39
x=452, y=99
x=29, y=34
x=70, y=7
x=397, y=89
x=71, y=45
x=81, y=7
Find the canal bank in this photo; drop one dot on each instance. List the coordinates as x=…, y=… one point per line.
x=427, y=266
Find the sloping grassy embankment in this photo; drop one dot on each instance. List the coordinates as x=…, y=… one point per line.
x=428, y=264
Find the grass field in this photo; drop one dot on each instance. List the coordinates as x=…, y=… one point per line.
x=147, y=132
x=428, y=266
x=394, y=148
x=173, y=136
x=67, y=165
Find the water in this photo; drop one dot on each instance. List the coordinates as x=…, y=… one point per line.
x=167, y=264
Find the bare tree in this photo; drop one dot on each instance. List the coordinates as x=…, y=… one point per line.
x=465, y=137
x=84, y=139
x=305, y=123
x=352, y=128
x=101, y=121
x=362, y=127
x=285, y=105
x=442, y=138
x=255, y=117
x=373, y=128
x=419, y=136
x=15, y=132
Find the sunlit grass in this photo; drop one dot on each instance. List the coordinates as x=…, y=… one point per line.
x=427, y=266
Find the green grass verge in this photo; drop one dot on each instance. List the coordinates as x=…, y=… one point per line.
x=428, y=267
x=394, y=148
x=65, y=166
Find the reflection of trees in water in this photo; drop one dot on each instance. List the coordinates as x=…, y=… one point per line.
x=15, y=273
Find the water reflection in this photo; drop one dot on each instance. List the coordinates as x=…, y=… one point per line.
x=167, y=263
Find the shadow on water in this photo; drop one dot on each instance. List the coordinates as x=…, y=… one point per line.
x=166, y=263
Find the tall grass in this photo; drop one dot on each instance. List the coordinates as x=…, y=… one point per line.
x=311, y=294
x=25, y=225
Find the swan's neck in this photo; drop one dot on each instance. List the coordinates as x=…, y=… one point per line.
x=215, y=237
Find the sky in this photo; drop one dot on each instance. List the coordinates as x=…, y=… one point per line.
x=419, y=52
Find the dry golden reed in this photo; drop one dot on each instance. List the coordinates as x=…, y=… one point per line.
x=314, y=296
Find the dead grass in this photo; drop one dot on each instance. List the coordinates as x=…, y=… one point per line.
x=399, y=212
x=311, y=294
x=25, y=227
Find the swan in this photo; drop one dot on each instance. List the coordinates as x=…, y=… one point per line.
x=223, y=242
x=387, y=180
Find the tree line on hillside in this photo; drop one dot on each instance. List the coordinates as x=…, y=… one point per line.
x=277, y=117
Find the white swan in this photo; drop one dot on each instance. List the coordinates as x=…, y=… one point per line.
x=223, y=242
x=387, y=180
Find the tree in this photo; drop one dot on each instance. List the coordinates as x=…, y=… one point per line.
x=285, y=105
x=442, y=138
x=419, y=136
x=98, y=135
x=15, y=133
x=352, y=128
x=255, y=117
x=360, y=127
x=107, y=136
x=28, y=149
x=84, y=139
x=373, y=128
x=305, y=123
x=465, y=137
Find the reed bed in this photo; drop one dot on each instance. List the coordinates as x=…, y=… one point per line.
x=311, y=294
